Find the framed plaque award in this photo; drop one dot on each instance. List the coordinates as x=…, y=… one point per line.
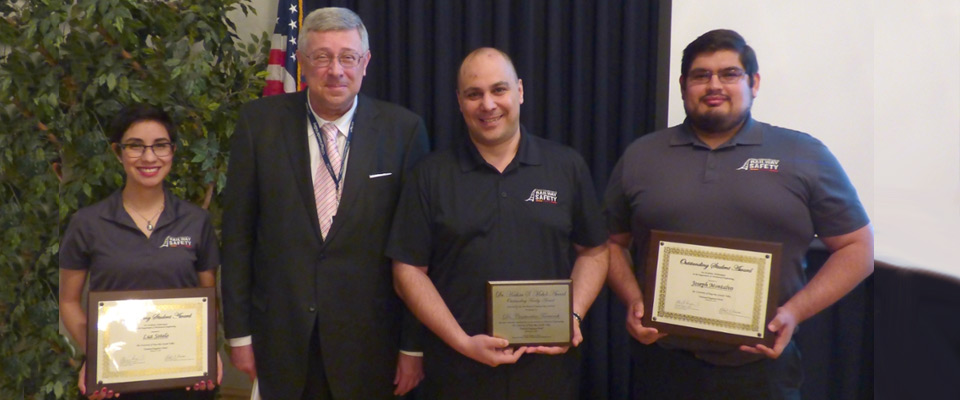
x=531, y=313
x=719, y=289
x=151, y=339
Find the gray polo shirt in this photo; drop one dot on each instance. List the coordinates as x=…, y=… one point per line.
x=767, y=183
x=104, y=239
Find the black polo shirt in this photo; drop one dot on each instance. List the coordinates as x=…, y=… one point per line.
x=469, y=223
x=104, y=239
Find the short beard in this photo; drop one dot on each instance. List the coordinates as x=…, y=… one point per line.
x=714, y=123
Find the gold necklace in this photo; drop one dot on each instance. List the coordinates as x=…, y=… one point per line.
x=150, y=225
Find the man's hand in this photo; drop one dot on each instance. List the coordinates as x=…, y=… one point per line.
x=242, y=358
x=554, y=350
x=409, y=374
x=490, y=350
x=783, y=324
x=635, y=326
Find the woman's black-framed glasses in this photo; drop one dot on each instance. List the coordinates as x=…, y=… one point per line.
x=136, y=150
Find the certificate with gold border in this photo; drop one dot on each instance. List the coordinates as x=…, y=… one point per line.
x=151, y=339
x=715, y=288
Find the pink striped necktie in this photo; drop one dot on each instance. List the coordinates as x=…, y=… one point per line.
x=324, y=188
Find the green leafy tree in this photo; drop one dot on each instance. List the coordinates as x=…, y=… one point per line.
x=66, y=68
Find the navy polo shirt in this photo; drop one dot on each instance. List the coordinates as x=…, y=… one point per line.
x=767, y=183
x=104, y=239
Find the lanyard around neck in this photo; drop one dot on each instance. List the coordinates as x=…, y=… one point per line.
x=337, y=177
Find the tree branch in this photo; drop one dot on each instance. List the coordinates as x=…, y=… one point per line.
x=46, y=55
x=123, y=52
x=40, y=125
x=57, y=170
x=208, y=197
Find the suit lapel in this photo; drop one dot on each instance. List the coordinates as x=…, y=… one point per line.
x=362, y=155
x=296, y=142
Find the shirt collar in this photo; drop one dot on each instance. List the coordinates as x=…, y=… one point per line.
x=342, y=123
x=749, y=134
x=115, y=212
x=528, y=153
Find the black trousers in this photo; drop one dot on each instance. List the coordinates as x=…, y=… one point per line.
x=662, y=374
x=173, y=394
x=316, y=387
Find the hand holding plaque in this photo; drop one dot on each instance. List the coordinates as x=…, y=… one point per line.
x=151, y=339
x=534, y=313
x=720, y=289
x=635, y=327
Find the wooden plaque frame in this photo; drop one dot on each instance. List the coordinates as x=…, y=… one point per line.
x=209, y=295
x=654, y=264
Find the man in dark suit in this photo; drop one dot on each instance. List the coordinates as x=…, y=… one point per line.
x=312, y=185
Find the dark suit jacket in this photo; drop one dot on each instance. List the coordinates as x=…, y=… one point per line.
x=279, y=276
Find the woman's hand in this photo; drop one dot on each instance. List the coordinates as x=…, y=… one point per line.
x=209, y=385
x=103, y=393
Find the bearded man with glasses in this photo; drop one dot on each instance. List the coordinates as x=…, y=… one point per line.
x=312, y=184
x=723, y=174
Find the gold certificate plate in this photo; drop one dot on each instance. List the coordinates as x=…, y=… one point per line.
x=151, y=339
x=719, y=289
x=531, y=313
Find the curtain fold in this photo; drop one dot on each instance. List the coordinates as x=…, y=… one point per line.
x=586, y=66
x=589, y=73
x=588, y=78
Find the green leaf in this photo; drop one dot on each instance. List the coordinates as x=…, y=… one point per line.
x=187, y=59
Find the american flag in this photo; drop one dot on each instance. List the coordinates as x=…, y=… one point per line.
x=283, y=72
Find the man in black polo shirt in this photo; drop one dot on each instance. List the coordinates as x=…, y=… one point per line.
x=506, y=205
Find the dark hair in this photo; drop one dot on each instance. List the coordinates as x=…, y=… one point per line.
x=139, y=112
x=720, y=39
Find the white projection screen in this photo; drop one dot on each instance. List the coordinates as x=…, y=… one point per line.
x=879, y=83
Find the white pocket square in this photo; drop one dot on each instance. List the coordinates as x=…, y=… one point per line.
x=374, y=176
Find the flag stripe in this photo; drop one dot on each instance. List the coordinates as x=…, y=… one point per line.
x=283, y=71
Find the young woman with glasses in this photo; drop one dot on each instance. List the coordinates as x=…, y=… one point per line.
x=139, y=238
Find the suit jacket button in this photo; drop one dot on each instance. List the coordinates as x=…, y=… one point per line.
x=312, y=309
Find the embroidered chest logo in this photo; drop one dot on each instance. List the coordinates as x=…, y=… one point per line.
x=177, y=241
x=543, y=196
x=760, y=164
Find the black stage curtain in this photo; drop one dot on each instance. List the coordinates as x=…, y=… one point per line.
x=837, y=344
x=590, y=73
x=917, y=334
x=587, y=67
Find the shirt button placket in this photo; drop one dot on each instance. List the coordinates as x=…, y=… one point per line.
x=502, y=194
x=710, y=169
